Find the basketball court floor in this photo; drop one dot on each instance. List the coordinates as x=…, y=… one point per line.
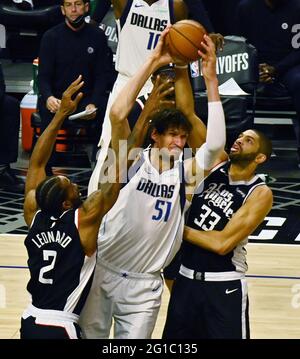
x=273, y=255
x=273, y=251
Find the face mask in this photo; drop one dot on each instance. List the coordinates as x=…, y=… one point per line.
x=77, y=22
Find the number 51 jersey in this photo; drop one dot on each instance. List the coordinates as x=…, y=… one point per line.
x=143, y=230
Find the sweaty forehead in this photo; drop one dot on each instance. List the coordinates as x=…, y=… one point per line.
x=250, y=133
x=177, y=130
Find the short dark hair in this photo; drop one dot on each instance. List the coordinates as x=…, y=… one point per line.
x=265, y=144
x=166, y=70
x=63, y=1
x=50, y=195
x=167, y=118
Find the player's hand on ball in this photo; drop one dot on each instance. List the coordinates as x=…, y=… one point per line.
x=209, y=59
x=218, y=40
x=161, y=52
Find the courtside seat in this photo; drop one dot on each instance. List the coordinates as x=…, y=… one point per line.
x=274, y=107
x=70, y=140
x=239, y=60
x=39, y=18
x=24, y=28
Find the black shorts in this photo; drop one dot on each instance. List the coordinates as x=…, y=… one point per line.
x=31, y=330
x=201, y=309
x=172, y=270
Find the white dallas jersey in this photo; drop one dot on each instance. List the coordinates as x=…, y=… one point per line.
x=143, y=230
x=139, y=29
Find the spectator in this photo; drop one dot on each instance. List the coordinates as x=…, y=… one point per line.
x=67, y=50
x=9, y=141
x=271, y=26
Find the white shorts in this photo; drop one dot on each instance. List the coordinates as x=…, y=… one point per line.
x=132, y=299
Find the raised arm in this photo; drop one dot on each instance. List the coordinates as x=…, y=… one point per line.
x=127, y=96
x=44, y=146
x=240, y=226
x=99, y=202
x=212, y=151
x=159, y=98
x=185, y=103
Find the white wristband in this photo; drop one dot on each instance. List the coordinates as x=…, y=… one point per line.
x=180, y=66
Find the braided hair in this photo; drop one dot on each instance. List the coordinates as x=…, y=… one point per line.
x=50, y=196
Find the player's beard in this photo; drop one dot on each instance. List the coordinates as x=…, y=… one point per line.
x=242, y=159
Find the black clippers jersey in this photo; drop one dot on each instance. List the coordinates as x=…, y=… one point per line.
x=215, y=201
x=60, y=272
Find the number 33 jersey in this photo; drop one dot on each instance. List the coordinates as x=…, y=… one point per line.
x=214, y=203
x=143, y=230
x=60, y=272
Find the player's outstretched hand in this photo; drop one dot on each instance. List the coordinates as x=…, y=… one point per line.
x=69, y=105
x=161, y=52
x=208, y=58
x=218, y=40
x=162, y=95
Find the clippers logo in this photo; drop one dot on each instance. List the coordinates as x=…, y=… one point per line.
x=216, y=195
x=90, y=50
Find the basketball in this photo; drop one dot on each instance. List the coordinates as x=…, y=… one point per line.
x=184, y=40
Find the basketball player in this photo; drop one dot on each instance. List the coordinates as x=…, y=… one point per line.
x=142, y=232
x=139, y=24
x=63, y=231
x=209, y=298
